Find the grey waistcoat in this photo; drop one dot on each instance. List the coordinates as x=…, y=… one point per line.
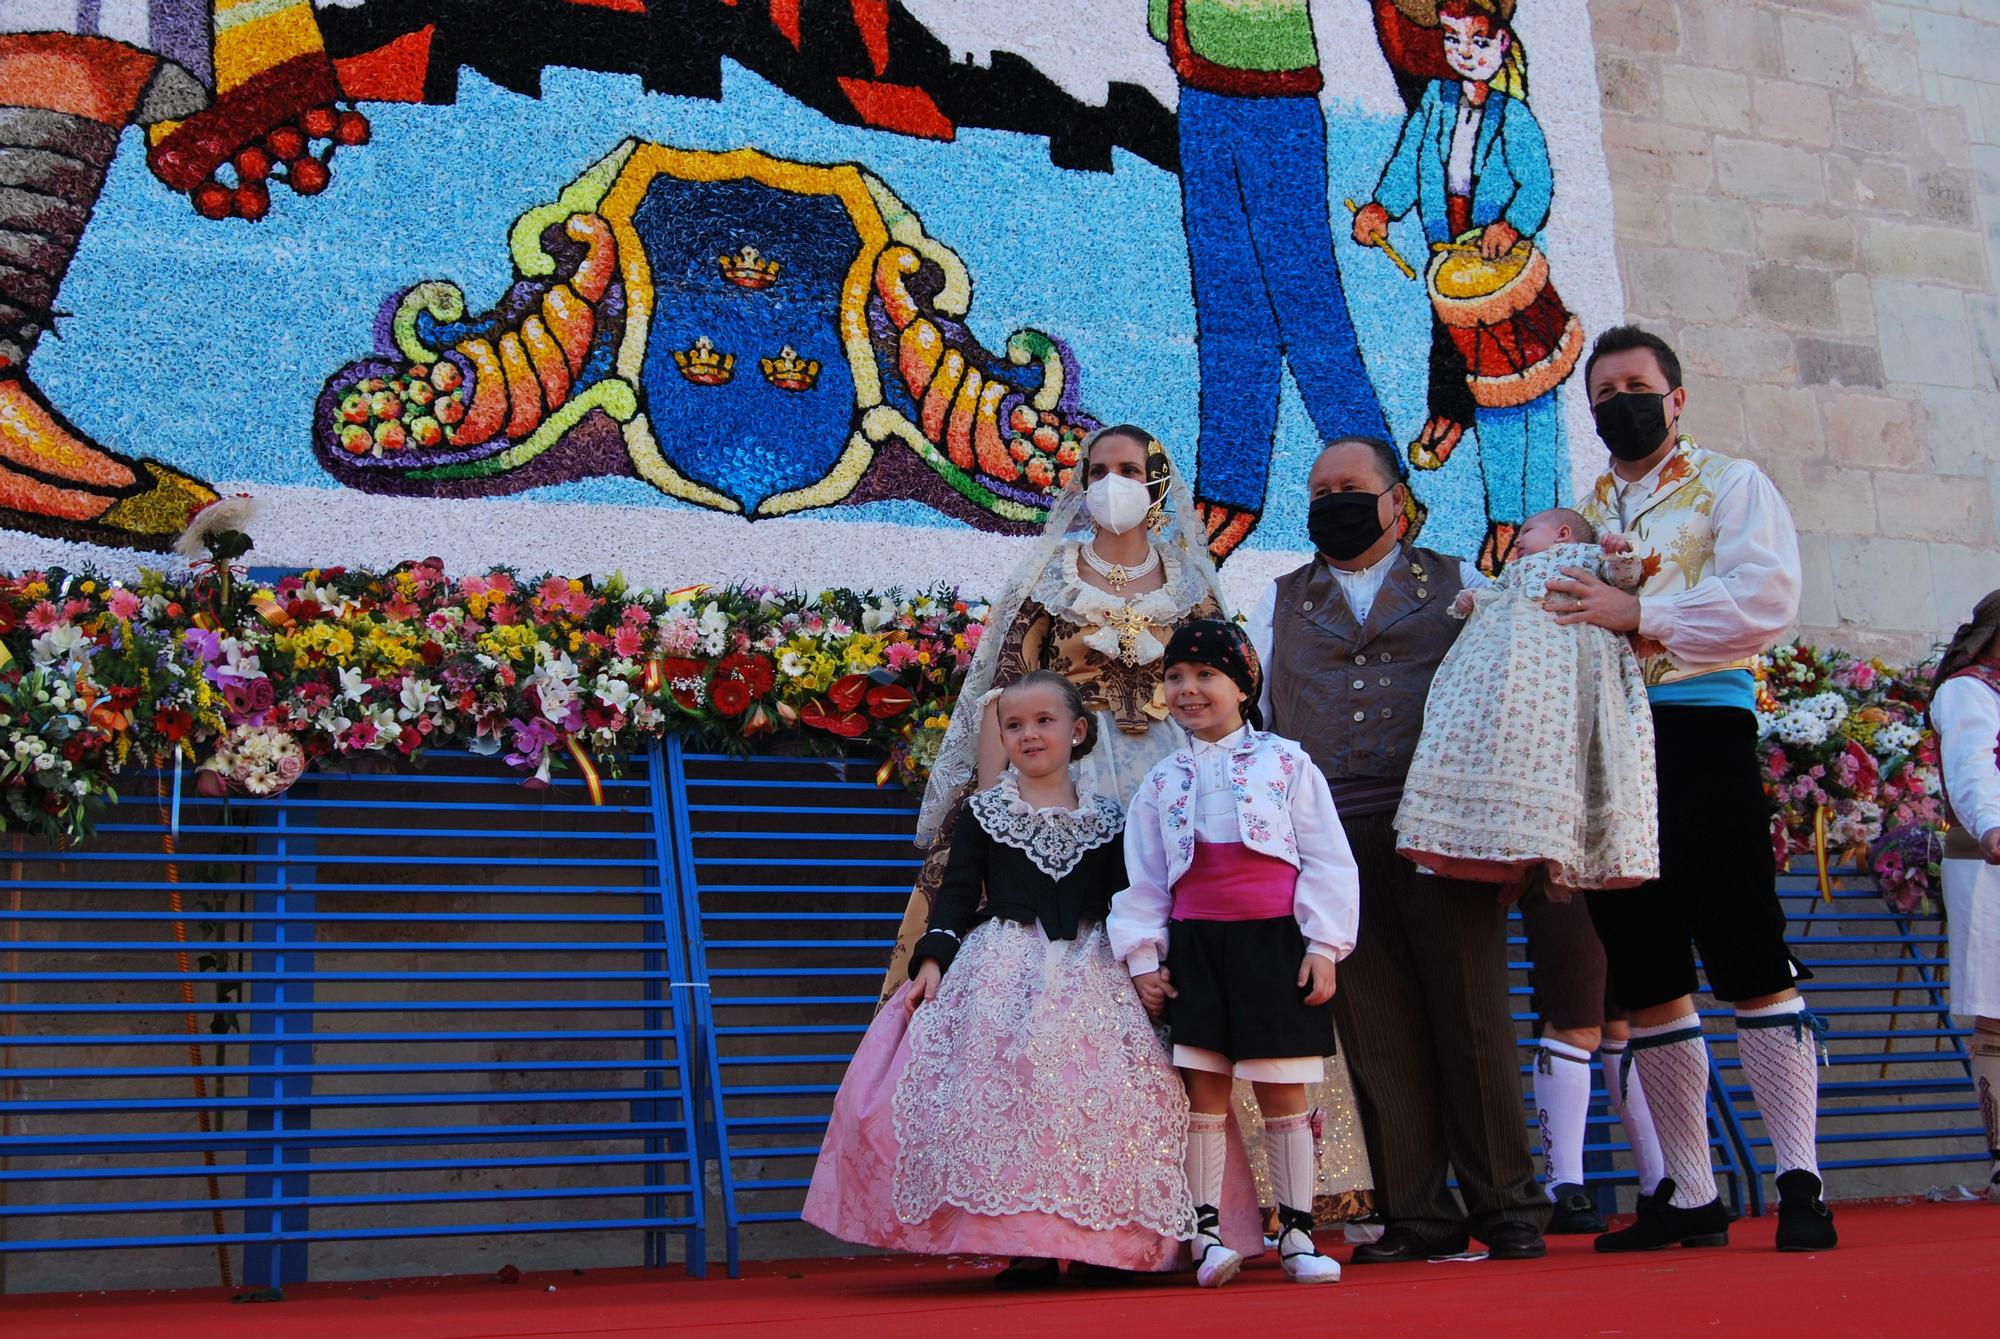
x=1354, y=695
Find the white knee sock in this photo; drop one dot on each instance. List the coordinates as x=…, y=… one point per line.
x=1628, y=1103
x=1986, y=1084
x=1673, y=1060
x=1562, y=1104
x=1288, y=1149
x=1207, y=1147
x=1778, y=1047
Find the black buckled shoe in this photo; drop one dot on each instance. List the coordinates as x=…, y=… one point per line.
x=1096, y=1276
x=1401, y=1246
x=1575, y=1213
x=1804, y=1221
x=1514, y=1241
x=1027, y=1273
x=1661, y=1224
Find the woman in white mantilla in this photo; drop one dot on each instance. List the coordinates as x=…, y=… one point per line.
x=1120, y=564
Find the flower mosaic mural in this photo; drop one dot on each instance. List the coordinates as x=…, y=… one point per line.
x=595, y=284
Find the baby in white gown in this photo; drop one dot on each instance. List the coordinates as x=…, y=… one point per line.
x=1536, y=758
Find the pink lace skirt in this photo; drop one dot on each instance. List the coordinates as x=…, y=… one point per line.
x=1029, y=1109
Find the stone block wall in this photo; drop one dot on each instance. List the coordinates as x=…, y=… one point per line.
x=1808, y=205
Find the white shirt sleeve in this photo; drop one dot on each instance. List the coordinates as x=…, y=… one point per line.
x=1751, y=598
x=1259, y=626
x=1137, y=922
x=1327, y=898
x=1967, y=714
x=1470, y=577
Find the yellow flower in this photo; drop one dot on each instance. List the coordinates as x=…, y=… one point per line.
x=88, y=588
x=864, y=652
x=509, y=641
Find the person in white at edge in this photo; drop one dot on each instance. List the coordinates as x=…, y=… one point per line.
x=1721, y=587
x=1965, y=711
x=1241, y=876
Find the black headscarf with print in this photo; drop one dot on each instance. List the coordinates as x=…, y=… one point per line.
x=1222, y=646
x=1972, y=637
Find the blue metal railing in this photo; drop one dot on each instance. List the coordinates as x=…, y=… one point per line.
x=434, y=1005
x=424, y=1005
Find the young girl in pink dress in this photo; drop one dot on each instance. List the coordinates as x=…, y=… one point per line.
x=1012, y=1098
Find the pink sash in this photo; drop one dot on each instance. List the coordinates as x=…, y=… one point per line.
x=1227, y=881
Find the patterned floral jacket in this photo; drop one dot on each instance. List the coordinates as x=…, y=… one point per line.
x=1283, y=809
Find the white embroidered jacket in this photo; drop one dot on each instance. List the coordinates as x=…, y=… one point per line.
x=1283, y=809
x=1719, y=561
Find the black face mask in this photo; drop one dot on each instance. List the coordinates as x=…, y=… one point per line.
x=1343, y=525
x=1631, y=423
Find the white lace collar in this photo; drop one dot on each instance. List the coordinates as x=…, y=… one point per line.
x=1053, y=839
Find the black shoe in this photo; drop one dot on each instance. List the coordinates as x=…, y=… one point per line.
x=1026, y=1273
x=1514, y=1241
x=1575, y=1214
x=1400, y=1246
x=1097, y=1276
x=1662, y=1224
x=1804, y=1221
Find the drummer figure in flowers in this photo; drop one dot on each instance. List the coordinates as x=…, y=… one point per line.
x=1121, y=564
x=1473, y=158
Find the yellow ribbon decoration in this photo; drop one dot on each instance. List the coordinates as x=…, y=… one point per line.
x=1819, y=853
x=586, y=767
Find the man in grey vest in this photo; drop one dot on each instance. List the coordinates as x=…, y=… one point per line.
x=1350, y=642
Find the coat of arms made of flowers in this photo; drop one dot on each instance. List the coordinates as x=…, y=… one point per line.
x=815, y=311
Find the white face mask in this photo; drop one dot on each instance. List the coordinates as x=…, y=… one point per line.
x=1118, y=504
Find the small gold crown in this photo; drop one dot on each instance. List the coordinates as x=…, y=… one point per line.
x=703, y=365
x=789, y=372
x=747, y=269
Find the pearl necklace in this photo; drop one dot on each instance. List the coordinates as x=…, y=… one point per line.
x=1118, y=574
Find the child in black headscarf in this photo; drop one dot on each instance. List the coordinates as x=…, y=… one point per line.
x=1242, y=881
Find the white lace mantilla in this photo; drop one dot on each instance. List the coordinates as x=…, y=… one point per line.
x=1053, y=839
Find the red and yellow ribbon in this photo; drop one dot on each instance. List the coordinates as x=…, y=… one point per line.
x=270, y=610
x=586, y=767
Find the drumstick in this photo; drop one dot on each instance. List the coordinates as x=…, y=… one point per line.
x=1387, y=250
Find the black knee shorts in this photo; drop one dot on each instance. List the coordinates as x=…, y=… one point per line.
x=1717, y=891
x=1566, y=965
x=1237, y=990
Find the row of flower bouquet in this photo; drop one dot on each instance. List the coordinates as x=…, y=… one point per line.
x=1851, y=768
x=251, y=685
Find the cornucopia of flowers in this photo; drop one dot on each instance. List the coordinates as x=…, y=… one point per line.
x=1851, y=768
x=253, y=684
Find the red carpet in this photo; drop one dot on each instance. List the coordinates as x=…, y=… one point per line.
x=1929, y=1270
